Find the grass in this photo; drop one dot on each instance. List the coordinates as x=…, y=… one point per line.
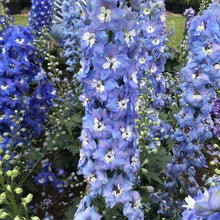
x=177, y=21
x=21, y=19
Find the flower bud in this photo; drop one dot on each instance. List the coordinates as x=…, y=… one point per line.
x=18, y=190
x=28, y=199
x=9, y=173
x=6, y=157
x=35, y=218
x=3, y=214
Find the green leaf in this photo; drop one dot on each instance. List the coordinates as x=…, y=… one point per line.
x=69, y=214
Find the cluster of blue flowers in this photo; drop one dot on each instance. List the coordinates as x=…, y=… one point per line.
x=18, y=67
x=152, y=21
x=18, y=70
x=47, y=175
x=151, y=62
x=73, y=16
x=205, y=206
x=39, y=105
x=201, y=76
x=216, y=115
x=189, y=13
x=109, y=158
x=40, y=15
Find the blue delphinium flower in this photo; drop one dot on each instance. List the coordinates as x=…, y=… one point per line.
x=204, y=206
x=23, y=109
x=152, y=21
x=39, y=104
x=40, y=15
x=151, y=60
x=73, y=16
x=110, y=91
x=18, y=69
x=201, y=77
x=189, y=13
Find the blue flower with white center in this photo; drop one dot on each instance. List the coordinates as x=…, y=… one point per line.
x=203, y=206
x=117, y=190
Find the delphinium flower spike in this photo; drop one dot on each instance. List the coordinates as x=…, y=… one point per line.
x=40, y=16
x=109, y=156
x=201, y=76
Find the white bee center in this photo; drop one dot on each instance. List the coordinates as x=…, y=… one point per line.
x=105, y=15
x=98, y=85
x=129, y=37
x=150, y=29
x=122, y=105
x=112, y=63
x=134, y=77
x=98, y=125
x=110, y=156
x=126, y=133
x=4, y=87
x=117, y=191
x=89, y=38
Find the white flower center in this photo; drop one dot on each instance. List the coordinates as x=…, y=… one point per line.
x=81, y=155
x=137, y=105
x=39, y=96
x=105, y=15
x=155, y=41
x=126, y=133
x=134, y=77
x=134, y=160
x=197, y=96
x=200, y=28
x=153, y=69
x=122, y=105
x=112, y=63
x=41, y=180
x=158, y=77
x=217, y=66
x=150, y=29
x=98, y=125
x=190, y=202
x=136, y=204
x=129, y=37
x=19, y=41
x=14, y=98
x=85, y=140
x=162, y=18
x=207, y=50
x=142, y=60
x=110, y=156
x=98, y=85
x=146, y=11
x=89, y=38
x=117, y=191
x=4, y=87
x=91, y=178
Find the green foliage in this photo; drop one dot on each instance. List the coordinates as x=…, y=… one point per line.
x=72, y=209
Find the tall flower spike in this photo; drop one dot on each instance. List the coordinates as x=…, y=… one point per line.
x=73, y=16
x=202, y=78
x=151, y=61
x=40, y=15
x=110, y=92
